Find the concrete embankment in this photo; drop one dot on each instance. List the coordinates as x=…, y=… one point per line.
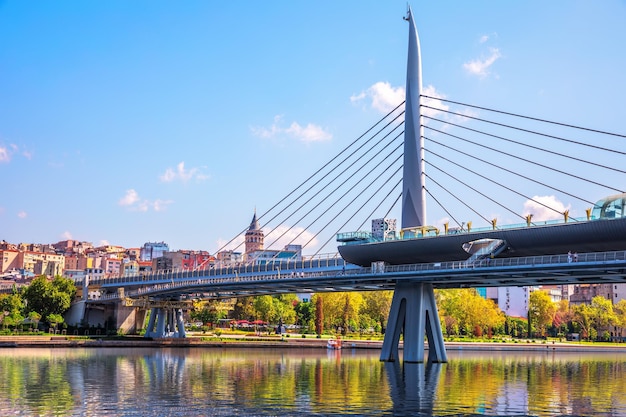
x=536, y=347
x=69, y=341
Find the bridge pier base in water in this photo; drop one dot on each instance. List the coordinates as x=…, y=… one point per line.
x=414, y=314
x=166, y=322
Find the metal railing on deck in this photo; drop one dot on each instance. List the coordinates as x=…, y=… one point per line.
x=269, y=267
x=354, y=271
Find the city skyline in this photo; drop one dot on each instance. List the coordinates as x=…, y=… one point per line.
x=130, y=123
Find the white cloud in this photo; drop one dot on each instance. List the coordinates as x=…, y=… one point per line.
x=103, y=242
x=292, y=235
x=542, y=213
x=4, y=154
x=129, y=199
x=480, y=67
x=383, y=96
x=182, y=174
x=66, y=235
x=161, y=205
x=133, y=202
x=22, y=214
x=486, y=38
x=307, y=134
x=7, y=153
x=27, y=154
x=236, y=245
x=433, y=102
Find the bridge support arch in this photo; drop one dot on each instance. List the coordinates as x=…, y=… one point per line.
x=414, y=314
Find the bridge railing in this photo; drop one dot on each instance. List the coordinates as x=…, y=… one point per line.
x=512, y=262
x=359, y=237
x=270, y=266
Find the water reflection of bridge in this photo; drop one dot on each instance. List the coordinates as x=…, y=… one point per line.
x=303, y=382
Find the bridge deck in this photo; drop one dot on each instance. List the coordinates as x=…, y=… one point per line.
x=600, y=267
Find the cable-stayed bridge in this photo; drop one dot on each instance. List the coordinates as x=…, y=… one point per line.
x=480, y=170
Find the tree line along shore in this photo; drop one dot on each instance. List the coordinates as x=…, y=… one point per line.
x=465, y=316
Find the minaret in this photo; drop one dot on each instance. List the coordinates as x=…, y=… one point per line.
x=254, y=236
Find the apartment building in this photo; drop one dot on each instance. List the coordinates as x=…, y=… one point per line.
x=9, y=260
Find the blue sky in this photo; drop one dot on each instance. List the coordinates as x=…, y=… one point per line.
x=127, y=122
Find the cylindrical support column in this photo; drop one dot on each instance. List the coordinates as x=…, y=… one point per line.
x=180, y=323
x=161, y=322
x=151, y=322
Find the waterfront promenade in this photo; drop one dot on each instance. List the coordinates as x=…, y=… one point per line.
x=279, y=342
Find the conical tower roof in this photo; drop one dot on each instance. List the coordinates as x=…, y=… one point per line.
x=254, y=224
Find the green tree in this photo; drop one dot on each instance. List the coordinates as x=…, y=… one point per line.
x=34, y=318
x=11, y=310
x=603, y=315
x=244, y=308
x=583, y=317
x=49, y=297
x=376, y=305
x=264, y=307
x=465, y=311
x=541, y=311
x=284, y=308
x=620, y=313
x=341, y=309
x=305, y=314
x=517, y=327
x=10, y=303
x=54, y=319
x=209, y=311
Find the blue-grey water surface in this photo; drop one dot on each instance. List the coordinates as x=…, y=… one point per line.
x=299, y=382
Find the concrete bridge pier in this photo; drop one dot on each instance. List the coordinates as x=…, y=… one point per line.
x=166, y=322
x=129, y=319
x=414, y=314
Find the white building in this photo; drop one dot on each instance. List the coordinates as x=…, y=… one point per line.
x=514, y=301
x=153, y=250
x=384, y=229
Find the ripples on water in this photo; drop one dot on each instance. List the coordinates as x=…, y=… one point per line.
x=305, y=382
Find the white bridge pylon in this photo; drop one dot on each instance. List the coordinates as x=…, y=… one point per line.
x=413, y=308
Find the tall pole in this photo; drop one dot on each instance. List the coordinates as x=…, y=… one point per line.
x=413, y=190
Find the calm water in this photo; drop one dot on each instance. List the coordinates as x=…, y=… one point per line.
x=268, y=382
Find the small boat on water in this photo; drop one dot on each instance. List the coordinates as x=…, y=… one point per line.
x=334, y=344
